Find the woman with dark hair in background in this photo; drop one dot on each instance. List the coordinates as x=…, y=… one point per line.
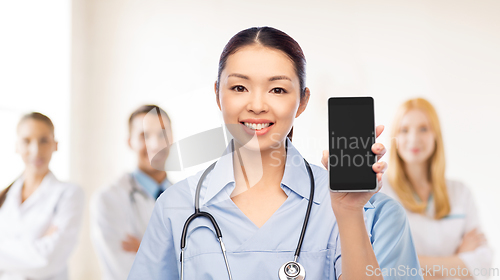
x=260, y=90
x=40, y=216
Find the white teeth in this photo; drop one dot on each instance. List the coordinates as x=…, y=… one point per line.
x=257, y=126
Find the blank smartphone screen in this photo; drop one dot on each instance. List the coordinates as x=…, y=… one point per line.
x=351, y=135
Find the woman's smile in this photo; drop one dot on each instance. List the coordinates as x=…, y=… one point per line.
x=256, y=126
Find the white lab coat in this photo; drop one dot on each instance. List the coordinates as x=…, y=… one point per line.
x=24, y=252
x=440, y=238
x=114, y=215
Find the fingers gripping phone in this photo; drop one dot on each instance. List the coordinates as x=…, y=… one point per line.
x=351, y=134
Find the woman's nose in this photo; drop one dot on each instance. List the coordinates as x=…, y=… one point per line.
x=34, y=148
x=413, y=136
x=257, y=103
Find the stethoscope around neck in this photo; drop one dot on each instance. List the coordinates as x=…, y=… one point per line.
x=134, y=189
x=291, y=270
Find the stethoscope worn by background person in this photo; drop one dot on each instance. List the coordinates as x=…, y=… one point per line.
x=291, y=270
x=134, y=189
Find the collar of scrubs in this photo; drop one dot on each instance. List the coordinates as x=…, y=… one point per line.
x=18, y=185
x=429, y=207
x=148, y=184
x=295, y=176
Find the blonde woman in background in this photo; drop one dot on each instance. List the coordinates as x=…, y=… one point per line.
x=40, y=216
x=442, y=213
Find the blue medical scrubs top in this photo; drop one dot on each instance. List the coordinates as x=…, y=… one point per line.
x=258, y=253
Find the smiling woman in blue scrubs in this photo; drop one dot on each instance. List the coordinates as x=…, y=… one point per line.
x=261, y=90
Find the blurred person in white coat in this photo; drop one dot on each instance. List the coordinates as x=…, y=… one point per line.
x=40, y=216
x=443, y=217
x=120, y=212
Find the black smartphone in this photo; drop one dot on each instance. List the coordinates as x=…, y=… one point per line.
x=351, y=134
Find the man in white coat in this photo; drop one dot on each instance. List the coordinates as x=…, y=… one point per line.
x=120, y=212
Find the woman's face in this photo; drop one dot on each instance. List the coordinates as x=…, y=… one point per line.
x=259, y=96
x=35, y=144
x=416, y=141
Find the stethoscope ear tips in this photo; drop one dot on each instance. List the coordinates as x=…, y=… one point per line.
x=292, y=271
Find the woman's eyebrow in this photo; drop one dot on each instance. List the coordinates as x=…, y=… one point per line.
x=239, y=76
x=275, y=78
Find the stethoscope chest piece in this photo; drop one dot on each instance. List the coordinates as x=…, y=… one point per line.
x=292, y=271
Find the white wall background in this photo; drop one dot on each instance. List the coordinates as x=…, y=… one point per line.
x=127, y=53
x=35, y=56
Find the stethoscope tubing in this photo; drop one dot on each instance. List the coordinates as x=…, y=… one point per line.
x=135, y=189
x=197, y=213
x=308, y=212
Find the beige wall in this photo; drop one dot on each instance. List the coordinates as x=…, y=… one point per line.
x=126, y=53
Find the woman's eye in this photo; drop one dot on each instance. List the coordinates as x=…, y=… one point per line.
x=278, y=90
x=238, y=88
x=423, y=129
x=404, y=130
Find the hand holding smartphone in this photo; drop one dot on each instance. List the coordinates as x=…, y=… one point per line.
x=351, y=134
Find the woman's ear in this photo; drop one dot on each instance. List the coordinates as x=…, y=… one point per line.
x=55, y=148
x=303, y=102
x=216, y=90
